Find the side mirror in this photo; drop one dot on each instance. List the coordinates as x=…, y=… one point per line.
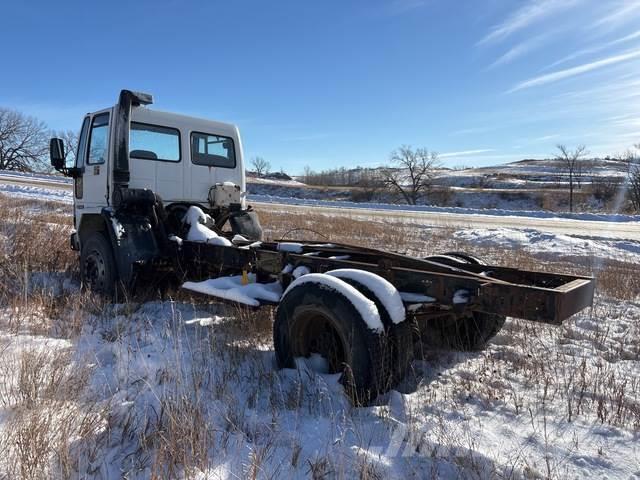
x=56, y=153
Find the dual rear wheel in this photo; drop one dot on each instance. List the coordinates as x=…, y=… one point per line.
x=470, y=332
x=312, y=318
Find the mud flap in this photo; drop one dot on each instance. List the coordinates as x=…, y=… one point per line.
x=133, y=242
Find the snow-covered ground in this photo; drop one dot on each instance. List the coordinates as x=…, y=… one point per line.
x=539, y=402
x=551, y=245
x=139, y=389
x=532, y=174
x=454, y=210
x=37, y=193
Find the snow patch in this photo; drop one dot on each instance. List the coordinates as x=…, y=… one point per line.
x=410, y=297
x=118, y=228
x=300, y=271
x=365, y=307
x=290, y=247
x=237, y=238
x=381, y=288
x=37, y=193
x=198, y=232
x=175, y=238
x=551, y=244
x=231, y=288
x=461, y=296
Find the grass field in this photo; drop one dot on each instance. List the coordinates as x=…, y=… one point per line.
x=178, y=386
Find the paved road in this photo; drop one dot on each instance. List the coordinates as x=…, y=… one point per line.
x=584, y=228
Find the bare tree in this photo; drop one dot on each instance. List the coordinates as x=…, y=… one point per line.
x=368, y=186
x=307, y=174
x=634, y=181
x=634, y=188
x=260, y=166
x=70, y=140
x=412, y=173
x=23, y=142
x=583, y=171
x=571, y=160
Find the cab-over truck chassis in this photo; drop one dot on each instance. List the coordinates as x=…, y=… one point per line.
x=361, y=309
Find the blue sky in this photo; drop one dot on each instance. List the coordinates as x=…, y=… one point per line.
x=338, y=83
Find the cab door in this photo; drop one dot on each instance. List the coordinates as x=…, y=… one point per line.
x=95, y=194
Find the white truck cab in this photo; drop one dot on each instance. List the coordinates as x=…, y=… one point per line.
x=178, y=157
x=134, y=162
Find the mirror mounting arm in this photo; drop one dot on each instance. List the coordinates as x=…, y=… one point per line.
x=73, y=172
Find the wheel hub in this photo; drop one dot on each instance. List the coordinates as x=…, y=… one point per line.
x=326, y=344
x=94, y=270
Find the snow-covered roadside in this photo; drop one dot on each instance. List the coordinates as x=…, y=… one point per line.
x=435, y=209
x=36, y=193
x=45, y=193
x=550, y=245
x=35, y=177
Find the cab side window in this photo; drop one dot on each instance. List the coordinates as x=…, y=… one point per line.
x=82, y=143
x=153, y=142
x=99, y=139
x=81, y=154
x=212, y=150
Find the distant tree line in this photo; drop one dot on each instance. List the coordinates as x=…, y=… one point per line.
x=24, y=142
x=338, y=177
x=623, y=192
x=409, y=175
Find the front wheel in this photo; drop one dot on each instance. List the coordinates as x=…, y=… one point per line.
x=97, y=266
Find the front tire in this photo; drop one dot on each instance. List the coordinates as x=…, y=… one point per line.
x=97, y=265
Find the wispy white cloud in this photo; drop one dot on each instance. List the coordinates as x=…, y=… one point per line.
x=580, y=69
x=621, y=117
x=472, y=130
x=464, y=153
x=532, y=12
x=519, y=50
x=611, y=88
x=544, y=138
x=624, y=12
x=594, y=49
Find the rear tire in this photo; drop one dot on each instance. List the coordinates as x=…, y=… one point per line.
x=468, y=333
x=466, y=258
x=312, y=318
x=97, y=266
x=399, y=336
